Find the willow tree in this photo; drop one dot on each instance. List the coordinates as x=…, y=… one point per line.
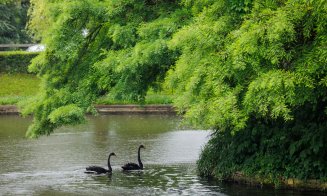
x=254, y=71
x=95, y=48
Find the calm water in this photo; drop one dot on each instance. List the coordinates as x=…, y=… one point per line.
x=55, y=165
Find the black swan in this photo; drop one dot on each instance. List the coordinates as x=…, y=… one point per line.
x=134, y=166
x=100, y=170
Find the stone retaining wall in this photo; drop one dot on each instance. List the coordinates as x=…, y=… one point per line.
x=135, y=109
x=112, y=109
x=8, y=109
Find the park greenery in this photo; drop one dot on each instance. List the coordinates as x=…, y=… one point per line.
x=15, y=61
x=13, y=18
x=17, y=87
x=253, y=71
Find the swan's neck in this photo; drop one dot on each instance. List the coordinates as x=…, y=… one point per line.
x=109, y=166
x=139, y=158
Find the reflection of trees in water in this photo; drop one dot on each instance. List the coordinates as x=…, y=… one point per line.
x=100, y=125
x=109, y=127
x=233, y=188
x=12, y=125
x=123, y=134
x=127, y=125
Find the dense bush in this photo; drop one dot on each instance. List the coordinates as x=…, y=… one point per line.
x=16, y=61
x=271, y=151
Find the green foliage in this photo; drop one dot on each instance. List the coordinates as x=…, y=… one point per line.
x=69, y=114
x=272, y=92
x=263, y=83
x=151, y=97
x=11, y=100
x=254, y=71
x=13, y=18
x=122, y=53
x=16, y=61
x=271, y=152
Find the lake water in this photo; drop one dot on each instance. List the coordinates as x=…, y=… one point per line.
x=55, y=164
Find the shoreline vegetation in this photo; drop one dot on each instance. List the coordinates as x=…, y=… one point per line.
x=20, y=86
x=289, y=183
x=237, y=177
x=253, y=71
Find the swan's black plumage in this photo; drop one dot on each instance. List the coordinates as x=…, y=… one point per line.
x=100, y=170
x=134, y=166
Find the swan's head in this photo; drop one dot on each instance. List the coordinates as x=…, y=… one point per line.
x=112, y=154
x=141, y=146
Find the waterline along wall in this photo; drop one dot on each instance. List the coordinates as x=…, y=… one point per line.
x=112, y=109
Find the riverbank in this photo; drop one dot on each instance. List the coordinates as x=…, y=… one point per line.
x=237, y=178
x=111, y=109
x=291, y=183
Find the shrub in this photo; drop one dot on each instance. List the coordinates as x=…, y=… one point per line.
x=16, y=61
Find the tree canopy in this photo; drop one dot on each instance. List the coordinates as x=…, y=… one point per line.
x=13, y=19
x=234, y=65
x=98, y=47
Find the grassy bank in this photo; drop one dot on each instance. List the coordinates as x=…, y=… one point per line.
x=151, y=98
x=16, y=87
